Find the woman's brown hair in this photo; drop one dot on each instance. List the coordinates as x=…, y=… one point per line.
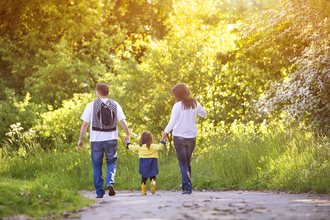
x=181, y=93
x=147, y=137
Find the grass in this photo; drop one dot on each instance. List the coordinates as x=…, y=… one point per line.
x=40, y=183
x=37, y=198
x=296, y=161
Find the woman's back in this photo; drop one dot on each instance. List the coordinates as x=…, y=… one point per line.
x=183, y=121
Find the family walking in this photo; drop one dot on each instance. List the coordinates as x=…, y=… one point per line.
x=103, y=114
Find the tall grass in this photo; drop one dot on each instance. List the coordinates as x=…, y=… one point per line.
x=296, y=160
x=275, y=158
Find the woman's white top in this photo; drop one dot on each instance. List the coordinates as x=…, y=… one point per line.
x=183, y=122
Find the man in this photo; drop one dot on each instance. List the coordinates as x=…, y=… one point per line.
x=103, y=136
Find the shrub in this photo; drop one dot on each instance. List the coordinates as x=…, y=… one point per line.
x=63, y=125
x=13, y=111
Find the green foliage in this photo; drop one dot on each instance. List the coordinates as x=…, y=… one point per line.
x=302, y=166
x=19, y=141
x=185, y=55
x=228, y=53
x=233, y=56
x=54, y=49
x=63, y=124
x=290, y=44
x=41, y=197
x=252, y=157
x=196, y=51
x=13, y=111
x=265, y=157
x=275, y=159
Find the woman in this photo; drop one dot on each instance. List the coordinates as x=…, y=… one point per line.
x=183, y=123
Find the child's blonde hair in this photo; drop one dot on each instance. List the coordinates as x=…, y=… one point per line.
x=147, y=137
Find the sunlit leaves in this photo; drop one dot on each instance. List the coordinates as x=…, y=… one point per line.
x=304, y=94
x=56, y=48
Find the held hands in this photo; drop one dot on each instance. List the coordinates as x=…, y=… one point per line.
x=164, y=136
x=126, y=139
x=128, y=143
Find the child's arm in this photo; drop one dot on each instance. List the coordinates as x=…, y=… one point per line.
x=158, y=146
x=133, y=147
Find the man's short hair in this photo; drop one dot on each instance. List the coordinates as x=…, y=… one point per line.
x=103, y=89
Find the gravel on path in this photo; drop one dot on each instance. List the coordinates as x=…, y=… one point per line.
x=130, y=204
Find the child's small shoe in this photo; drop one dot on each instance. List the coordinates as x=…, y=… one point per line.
x=152, y=186
x=144, y=189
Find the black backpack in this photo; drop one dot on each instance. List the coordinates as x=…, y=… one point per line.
x=106, y=115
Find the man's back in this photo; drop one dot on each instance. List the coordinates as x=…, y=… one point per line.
x=87, y=116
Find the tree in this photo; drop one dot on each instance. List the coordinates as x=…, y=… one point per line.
x=187, y=54
x=55, y=48
x=296, y=36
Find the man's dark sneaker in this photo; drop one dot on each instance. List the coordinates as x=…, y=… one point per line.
x=112, y=191
x=98, y=197
x=186, y=192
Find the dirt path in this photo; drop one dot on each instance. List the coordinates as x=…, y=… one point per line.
x=206, y=205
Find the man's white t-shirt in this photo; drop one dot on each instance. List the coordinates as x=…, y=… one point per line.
x=87, y=116
x=183, y=121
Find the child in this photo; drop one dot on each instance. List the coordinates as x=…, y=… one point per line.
x=148, y=153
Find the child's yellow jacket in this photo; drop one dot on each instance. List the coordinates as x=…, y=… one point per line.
x=144, y=152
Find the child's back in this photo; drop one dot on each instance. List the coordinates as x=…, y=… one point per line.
x=144, y=152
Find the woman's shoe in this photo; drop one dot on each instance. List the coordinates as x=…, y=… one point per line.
x=144, y=189
x=152, y=186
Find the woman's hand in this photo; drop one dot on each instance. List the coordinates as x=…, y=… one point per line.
x=164, y=137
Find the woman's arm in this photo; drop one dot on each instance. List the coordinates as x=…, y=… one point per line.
x=173, y=119
x=201, y=111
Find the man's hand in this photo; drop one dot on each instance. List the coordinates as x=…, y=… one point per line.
x=126, y=139
x=124, y=126
x=80, y=142
x=83, y=130
x=164, y=137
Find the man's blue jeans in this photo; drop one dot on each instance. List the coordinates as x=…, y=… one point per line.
x=184, y=148
x=109, y=150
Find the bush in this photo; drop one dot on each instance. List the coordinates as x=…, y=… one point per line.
x=63, y=125
x=13, y=111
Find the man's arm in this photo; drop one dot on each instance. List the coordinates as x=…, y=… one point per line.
x=124, y=126
x=83, y=130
